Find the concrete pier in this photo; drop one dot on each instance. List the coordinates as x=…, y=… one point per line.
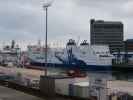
x=11, y=94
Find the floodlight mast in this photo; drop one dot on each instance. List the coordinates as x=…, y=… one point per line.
x=45, y=6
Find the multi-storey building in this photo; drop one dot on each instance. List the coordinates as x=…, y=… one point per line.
x=107, y=32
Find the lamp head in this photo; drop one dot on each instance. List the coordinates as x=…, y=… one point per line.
x=47, y=3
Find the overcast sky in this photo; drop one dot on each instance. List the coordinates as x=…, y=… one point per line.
x=24, y=20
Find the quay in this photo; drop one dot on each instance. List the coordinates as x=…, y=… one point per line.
x=59, y=84
x=7, y=93
x=11, y=94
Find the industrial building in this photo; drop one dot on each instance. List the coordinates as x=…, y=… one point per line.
x=107, y=33
x=126, y=55
x=129, y=45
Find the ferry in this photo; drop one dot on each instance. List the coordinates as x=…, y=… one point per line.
x=73, y=56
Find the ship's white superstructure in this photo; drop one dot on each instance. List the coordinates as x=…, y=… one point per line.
x=73, y=56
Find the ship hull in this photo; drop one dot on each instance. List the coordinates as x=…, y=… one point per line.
x=37, y=65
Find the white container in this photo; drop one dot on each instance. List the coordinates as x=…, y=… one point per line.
x=62, y=85
x=81, y=90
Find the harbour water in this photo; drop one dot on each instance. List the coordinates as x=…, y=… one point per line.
x=114, y=75
x=109, y=75
x=125, y=76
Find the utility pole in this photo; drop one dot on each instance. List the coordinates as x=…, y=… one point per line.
x=45, y=6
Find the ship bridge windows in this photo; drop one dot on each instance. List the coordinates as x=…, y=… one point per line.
x=84, y=43
x=104, y=56
x=71, y=42
x=102, y=52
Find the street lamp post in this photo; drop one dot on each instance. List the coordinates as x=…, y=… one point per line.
x=45, y=6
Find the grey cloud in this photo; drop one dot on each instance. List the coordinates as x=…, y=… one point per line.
x=25, y=19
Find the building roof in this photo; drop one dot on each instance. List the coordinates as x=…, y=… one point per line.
x=107, y=22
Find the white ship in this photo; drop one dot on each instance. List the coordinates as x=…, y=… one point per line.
x=83, y=56
x=10, y=54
